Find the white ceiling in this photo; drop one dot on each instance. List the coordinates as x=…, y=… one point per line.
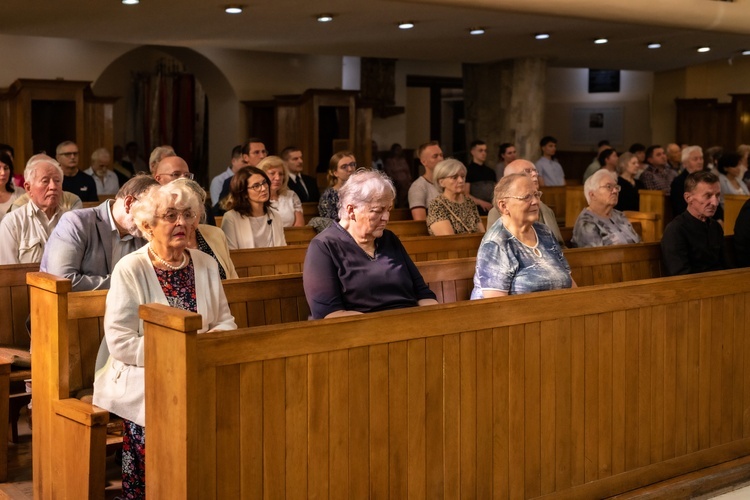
x=368, y=28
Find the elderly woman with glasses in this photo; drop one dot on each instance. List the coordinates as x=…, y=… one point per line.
x=250, y=221
x=519, y=254
x=600, y=224
x=358, y=266
x=167, y=272
x=340, y=167
x=453, y=212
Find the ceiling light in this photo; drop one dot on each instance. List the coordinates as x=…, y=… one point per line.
x=477, y=31
x=704, y=49
x=406, y=25
x=654, y=45
x=325, y=18
x=233, y=9
x=600, y=41
x=541, y=36
x=746, y=52
x=131, y=2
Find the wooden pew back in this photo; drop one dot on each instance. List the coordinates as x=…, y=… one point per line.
x=732, y=205
x=14, y=304
x=584, y=393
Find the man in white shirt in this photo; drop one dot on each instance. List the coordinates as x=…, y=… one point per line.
x=24, y=231
x=550, y=171
x=422, y=190
x=236, y=163
x=305, y=186
x=102, y=172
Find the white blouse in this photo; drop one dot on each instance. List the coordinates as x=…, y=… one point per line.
x=287, y=204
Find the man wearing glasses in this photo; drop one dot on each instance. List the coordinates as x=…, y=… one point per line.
x=171, y=168
x=75, y=181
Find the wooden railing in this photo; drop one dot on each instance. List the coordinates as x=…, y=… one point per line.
x=585, y=393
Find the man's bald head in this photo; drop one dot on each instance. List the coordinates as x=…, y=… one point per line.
x=524, y=167
x=171, y=168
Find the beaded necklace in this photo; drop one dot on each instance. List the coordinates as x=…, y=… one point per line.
x=167, y=264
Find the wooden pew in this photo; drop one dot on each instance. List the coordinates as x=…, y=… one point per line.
x=310, y=210
x=70, y=329
x=655, y=201
x=289, y=259
x=555, y=197
x=575, y=202
x=584, y=393
x=732, y=205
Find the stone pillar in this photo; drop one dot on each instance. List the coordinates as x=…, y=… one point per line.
x=504, y=102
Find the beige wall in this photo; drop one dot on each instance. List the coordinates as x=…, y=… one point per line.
x=567, y=90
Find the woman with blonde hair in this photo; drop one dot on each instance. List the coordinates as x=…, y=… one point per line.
x=283, y=200
x=453, y=212
x=340, y=167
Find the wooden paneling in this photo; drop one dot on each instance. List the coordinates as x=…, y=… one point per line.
x=732, y=205
x=484, y=420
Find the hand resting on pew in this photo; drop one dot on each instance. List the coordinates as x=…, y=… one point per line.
x=357, y=265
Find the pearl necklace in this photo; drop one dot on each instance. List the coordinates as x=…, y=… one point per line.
x=167, y=264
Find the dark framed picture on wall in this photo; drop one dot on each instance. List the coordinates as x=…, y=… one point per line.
x=604, y=80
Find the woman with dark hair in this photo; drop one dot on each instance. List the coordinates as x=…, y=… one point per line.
x=250, y=221
x=731, y=171
x=340, y=167
x=9, y=192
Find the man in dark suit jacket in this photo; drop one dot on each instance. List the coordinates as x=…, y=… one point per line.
x=305, y=186
x=87, y=243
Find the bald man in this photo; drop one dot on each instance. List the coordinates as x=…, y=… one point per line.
x=171, y=168
x=546, y=215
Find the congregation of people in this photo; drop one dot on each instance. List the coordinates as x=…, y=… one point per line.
x=155, y=238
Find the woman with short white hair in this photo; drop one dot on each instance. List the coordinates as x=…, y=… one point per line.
x=600, y=224
x=356, y=265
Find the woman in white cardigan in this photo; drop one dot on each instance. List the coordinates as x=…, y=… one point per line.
x=250, y=221
x=167, y=272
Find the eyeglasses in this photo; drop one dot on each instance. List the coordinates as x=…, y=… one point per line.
x=184, y=175
x=258, y=186
x=527, y=198
x=172, y=216
x=611, y=187
x=70, y=155
x=349, y=165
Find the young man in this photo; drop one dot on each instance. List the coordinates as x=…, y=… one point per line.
x=550, y=171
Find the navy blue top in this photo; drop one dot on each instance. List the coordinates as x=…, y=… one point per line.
x=340, y=275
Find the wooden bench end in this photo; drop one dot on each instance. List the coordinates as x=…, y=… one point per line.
x=49, y=282
x=170, y=317
x=83, y=413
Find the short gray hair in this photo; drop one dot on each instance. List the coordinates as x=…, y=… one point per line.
x=157, y=155
x=592, y=183
x=446, y=168
x=363, y=187
x=157, y=198
x=689, y=149
x=99, y=153
x=29, y=173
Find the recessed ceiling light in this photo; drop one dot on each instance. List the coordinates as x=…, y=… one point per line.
x=746, y=52
x=325, y=18
x=233, y=9
x=654, y=45
x=477, y=31
x=406, y=25
x=541, y=36
x=704, y=49
x=131, y=2
x=600, y=41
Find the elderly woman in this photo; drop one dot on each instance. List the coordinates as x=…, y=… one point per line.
x=206, y=238
x=628, y=167
x=9, y=192
x=452, y=212
x=358, y=266
x=167, y=272
x=250, y=221
x=340, y=167
x=600, y=224
x=731, y=171
x=283, y=200
x=519, y=255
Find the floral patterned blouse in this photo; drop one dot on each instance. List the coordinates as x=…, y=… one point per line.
x=328, y=206
x=179, y=287
x=461, y=215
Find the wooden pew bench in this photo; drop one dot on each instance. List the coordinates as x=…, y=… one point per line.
x=289, y=259
x=584, y=393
